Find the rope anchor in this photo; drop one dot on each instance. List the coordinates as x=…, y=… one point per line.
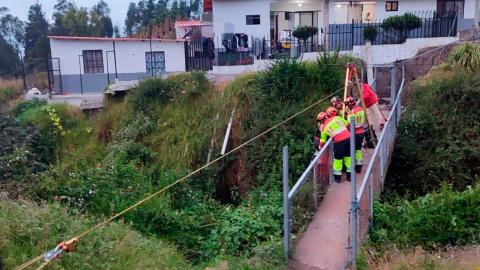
x=66, y=247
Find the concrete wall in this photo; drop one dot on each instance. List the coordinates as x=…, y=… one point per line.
x=130, y=58
x=383, y=54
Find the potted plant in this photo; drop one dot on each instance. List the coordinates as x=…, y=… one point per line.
x=370, y=34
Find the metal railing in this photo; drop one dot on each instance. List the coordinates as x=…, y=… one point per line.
x=289, y=194
x=361, y=210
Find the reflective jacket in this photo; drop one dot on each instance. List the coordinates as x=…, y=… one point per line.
x=335, y=127
x=359, y=115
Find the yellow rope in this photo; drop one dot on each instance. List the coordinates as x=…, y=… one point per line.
x=23, y=266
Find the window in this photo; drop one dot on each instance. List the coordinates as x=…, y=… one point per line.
x=92, y=61
x=155, y=65
x=391, y=6
x=253, y=19
x=287, y=16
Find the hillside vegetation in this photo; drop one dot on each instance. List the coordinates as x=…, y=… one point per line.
x=141, y=142
x=431, y=199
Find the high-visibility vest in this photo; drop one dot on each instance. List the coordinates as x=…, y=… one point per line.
x=359, y=115
x=336, y=128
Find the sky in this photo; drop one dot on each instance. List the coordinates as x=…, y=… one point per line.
x=20, y=8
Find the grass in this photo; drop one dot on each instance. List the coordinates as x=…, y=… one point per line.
x=454, y=258
x=10, y=89
x=36, y=229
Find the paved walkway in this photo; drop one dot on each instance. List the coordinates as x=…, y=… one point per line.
x=324, y=244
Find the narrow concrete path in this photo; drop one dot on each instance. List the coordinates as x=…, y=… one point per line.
x=324, y=244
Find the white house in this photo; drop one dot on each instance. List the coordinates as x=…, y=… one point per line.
x=267, y=18
x=88, y=65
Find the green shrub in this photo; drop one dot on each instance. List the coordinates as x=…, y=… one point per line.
x=435, y=220
x=400, y=25
x=440, y=109
x=370, y=34
x=19, y=107
x=115, y=246
x=466, y=56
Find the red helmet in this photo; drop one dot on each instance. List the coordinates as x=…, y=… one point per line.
x=333, y=101
x=331, y=112
x=350, y=101
x=337, y=102
x=321, y=117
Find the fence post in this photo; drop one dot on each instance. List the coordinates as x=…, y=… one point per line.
x=353, y=207
x=286, y=205
x=353, y=34
x=315, y=202
x=371, y=198
x=393, y=89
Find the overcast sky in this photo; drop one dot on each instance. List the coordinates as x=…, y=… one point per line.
x=20, y=8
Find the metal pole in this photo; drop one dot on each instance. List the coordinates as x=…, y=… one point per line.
x=315, y=202
x=80, y=67
x=115, y=61
x=23, y=74
x=227, y=134
x=371, y=198
x=286, y=210
x=393, y=93
x=353, y=207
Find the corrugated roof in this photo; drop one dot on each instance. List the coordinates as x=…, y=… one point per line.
x=191, y=23
x=115, y=39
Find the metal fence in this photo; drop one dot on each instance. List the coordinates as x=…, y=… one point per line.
x=361, y=210
x=228, y=52
x=432, y=24
x=312, y=173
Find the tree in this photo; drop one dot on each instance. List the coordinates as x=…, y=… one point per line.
x=304, y=33
x=103, y=11
x=9, y=60
x=61, y=8
x=116, y=32
x=84, y=23
x=37, y=46
x=12, y=29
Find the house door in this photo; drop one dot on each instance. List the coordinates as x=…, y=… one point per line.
x=449, y=5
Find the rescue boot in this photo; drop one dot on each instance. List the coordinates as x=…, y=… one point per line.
x=358, y=168
x=337, y=178
x=368, y=138
x=349, y=177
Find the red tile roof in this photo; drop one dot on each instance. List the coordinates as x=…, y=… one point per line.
x=115, y=39
x=191, y=23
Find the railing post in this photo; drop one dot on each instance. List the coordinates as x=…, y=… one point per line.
x=371, y=198
x=315, y=202
x=382, y=161
x=353, y=207
x=286, y=205
x=393, y=89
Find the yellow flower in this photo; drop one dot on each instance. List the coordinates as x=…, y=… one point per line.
x=56, y=124
x=54, y=132
x=60, y=127
x=63, y=133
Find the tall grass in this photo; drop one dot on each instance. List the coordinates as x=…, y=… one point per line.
x=35, y=229
x=466, y=56
x=10, y=89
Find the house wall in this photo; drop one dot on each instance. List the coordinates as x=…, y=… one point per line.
x=130, y=56
x=230, y=17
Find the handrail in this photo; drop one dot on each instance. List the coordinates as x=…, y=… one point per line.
x=382, y=136
x=302, y=178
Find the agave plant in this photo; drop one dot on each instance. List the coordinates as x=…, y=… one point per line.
x=466, y=56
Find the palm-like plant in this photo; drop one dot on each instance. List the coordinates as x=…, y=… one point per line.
x=466, y=56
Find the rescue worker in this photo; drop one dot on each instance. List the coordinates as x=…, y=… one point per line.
x=359, y=114
x=337, y=103
x=336, y=128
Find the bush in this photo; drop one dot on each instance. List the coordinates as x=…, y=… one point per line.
x=440, y=109
x=466, y=56
x=19, y=107
x=400, y=25
x=370, y=34
x=114, y=246
x=438, y=219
